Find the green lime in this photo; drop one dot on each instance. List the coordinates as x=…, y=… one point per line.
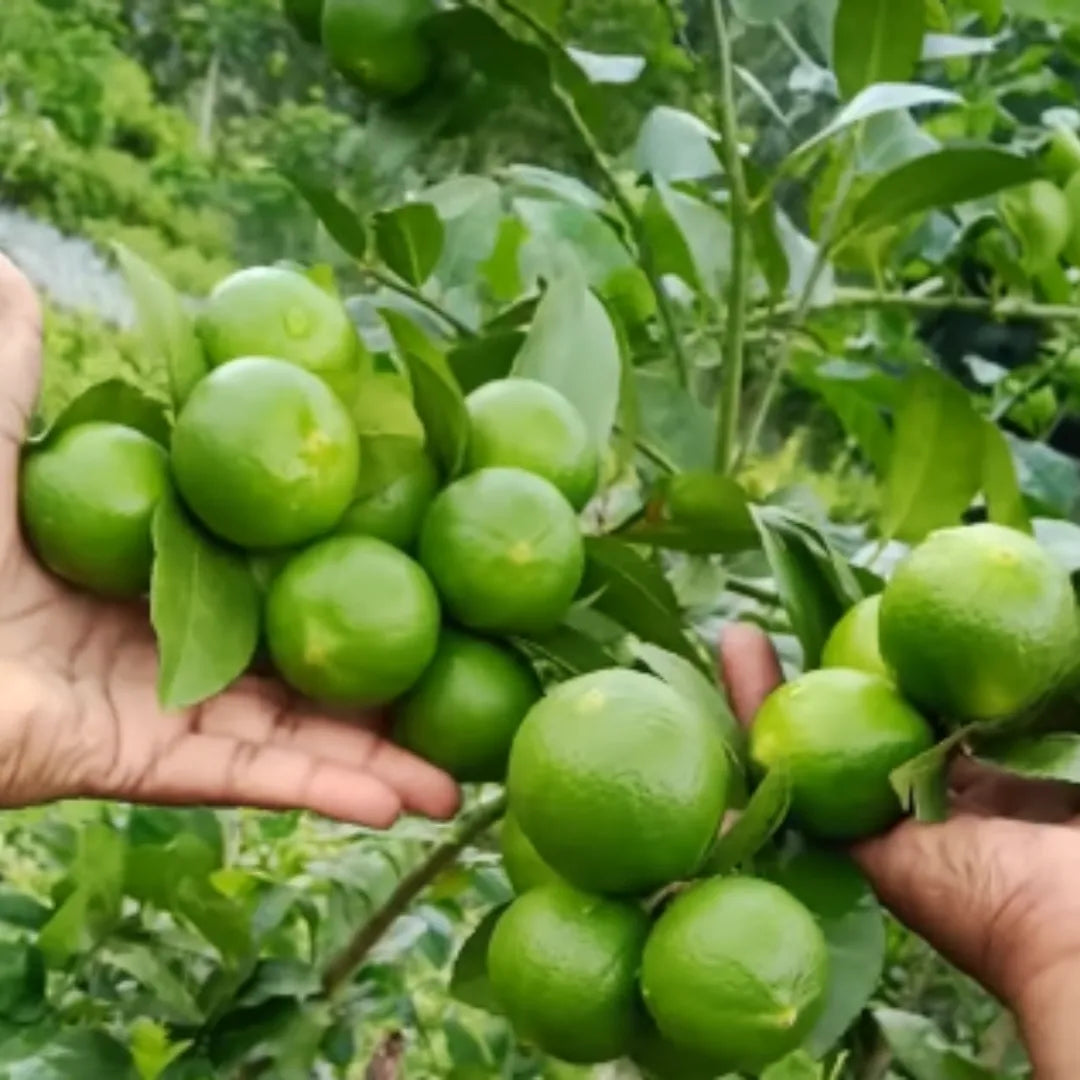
x=619, y=782
x=464, y=712
x=88, y=499
x=735, y=969
x=839, y=734
x=527, y=425
x=352, y=621
x=391, y=504
x=504, y=550
x=306, y=16
x=521, y=861
x=1038, y=214
x=979, y=623
x=563, y=966
x=273, y=311
x=378, y=45
x=853, y=642
x=265, y=454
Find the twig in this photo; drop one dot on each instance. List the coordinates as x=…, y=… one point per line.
x=727, y=420
x=342, y=967
x=403, y=288
x=752, y=591
x=599, y=162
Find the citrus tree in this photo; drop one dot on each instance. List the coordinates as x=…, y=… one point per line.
x=879, y=231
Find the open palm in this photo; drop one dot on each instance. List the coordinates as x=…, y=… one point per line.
x=78, y=708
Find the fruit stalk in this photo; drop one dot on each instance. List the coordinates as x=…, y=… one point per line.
x=342, y=967
x=728, y=405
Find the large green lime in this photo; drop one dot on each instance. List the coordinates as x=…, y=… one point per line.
x=735, y=969
x=504, y=550
x=521, y=861
x=464, y=712
x=379, y=45
x=564, y=966
x=979, y=623
x=839, y=734
x=273, y=311
x=265, y=454
x=528, y=425
x=391, y=505
x=352, y=621
x=619, y=782
x=853, y=642
x=88, y=499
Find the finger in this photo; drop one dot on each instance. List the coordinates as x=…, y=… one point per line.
x=263, y=713
x=750, y=668
x=971, y=887
x=221, y=771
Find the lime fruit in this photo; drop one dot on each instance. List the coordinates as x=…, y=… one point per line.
x=853, y=642
x=352, y=621
x=265, y=454
x=528, y=425
x=88, y=499
x=504, y=550
x=839, y=734
x=379, y=45
x=735, y=969
x=521, y=861
x=273, y=311
x=979, y=623
x=464, y=712
x=1038, y=214
x=391, y=506
x=563, y=966
x=619, y=782
x=306, y=16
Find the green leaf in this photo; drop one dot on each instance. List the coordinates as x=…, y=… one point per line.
x=769, y=252
x=676, y=145
x=634, y=592
x=572, y=346
x=22, y=982
x=700, y=512
x=815, y=585
x=152, y=1048
x=756, y=824
x=1042, y=757
x=876, y=41
x=921, y=784
x=1055, y=11
x=1047, y=477
x=205, y=609
x=837, y=894
x=384, y=409
x=567, y=651
x=956, y=174
x=341, y=222
x=956, y=46
x=116, y=402
x=608, y=68
x=410, y=240
x=147, y=966
x=936, y=422
x=547, y=12
x=765, y=11
x=689, y=238
x=537, y=182
x=1004, y=500
x=167, y=331
x=797, y=1066
x=22, y=911
x=484, y=359
x=923, y=1051
x=75, y=1055
x=469, y=982
x=437, y=396
x=696, y=687
x=673, y=420
x=1061, y=539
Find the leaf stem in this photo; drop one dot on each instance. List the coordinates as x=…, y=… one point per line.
x=403, y=288
x=730, y=400
x=752, y=591
x=599, y=161
x=340, y=970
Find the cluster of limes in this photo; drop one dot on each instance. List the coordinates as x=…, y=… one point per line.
x=376, y=44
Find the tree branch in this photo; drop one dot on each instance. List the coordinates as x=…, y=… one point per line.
x=403, y=288
x=342, y=967
x=599, y=161
x=730, y=401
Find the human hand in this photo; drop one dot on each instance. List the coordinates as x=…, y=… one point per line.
x=996, y=889
x=78, y=708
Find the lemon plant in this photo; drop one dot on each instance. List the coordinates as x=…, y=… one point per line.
x=508, y=489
